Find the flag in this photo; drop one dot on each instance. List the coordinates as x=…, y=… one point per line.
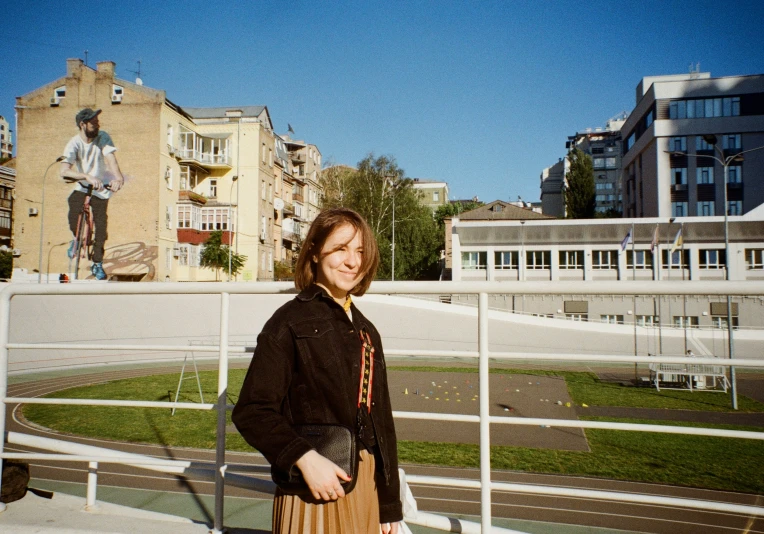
x=654, y=243
x=677, y=241
x=626, y=241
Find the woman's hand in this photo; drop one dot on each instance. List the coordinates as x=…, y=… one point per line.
x=389, y=528
x=322, y=476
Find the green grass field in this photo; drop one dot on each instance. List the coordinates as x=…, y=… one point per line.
x=714, y=463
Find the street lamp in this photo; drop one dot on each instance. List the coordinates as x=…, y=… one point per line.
x=230, y=226
x=725, y=163
x=42, y=217
x=391, y=181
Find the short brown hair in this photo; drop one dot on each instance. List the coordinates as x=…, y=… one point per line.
x=325, y=224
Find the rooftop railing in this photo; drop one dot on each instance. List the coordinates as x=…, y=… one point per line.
x=225, y=348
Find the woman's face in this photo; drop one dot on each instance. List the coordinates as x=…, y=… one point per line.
x=339, y=264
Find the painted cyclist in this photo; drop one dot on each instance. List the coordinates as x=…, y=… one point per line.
x=90, y=160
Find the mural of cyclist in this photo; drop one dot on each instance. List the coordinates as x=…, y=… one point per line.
x=89, y=158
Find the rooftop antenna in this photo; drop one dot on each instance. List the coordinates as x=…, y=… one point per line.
x=138, y=80
x=86, y=58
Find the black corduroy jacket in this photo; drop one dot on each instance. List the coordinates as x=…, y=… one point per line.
x=306, y=370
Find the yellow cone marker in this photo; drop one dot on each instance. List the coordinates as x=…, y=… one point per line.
x=406, y=392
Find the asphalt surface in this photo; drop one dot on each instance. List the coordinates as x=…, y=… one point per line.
x=544, y=514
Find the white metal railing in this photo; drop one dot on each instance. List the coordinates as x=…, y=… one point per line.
x=482, y=289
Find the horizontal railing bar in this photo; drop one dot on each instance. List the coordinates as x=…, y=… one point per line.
x=573, y=423
x=557, y=287
x=737, y=362
x=143, y=348
x=120, y=403
x=580, y=493
x=723, y=362
x=127, y=460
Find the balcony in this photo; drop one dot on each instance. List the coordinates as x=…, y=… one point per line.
x=298, y=197
x=289, y=237
x=297, y=157
x=186, y=195
x=678, y=187
x=205, y=159
x=193, y=236
x=6, y=203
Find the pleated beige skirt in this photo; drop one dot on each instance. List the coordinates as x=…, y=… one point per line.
x=356, y=513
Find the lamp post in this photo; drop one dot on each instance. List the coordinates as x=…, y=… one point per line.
x=47, y=270
x=230, y=226
x=725, y=162
x=42, y=217
x=391, y=181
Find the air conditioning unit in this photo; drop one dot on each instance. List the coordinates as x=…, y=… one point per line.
x=16, y=252
x=176, y=250
x=116, y=99
x=262, y=235
x=33, y=212
x=55, y=101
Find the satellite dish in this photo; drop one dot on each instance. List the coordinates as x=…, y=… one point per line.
x=278, y=204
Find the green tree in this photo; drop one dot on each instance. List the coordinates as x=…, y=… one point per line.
x=6, y=264
x=579, y=191
x=372, y=189
x=215, y=255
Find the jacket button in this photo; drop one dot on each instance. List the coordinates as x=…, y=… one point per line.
x=315, y=330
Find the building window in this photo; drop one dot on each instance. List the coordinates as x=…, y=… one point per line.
x=270, y=261
x=712, y=259
x=706, y=208
x=679, y=209
x=679, y=259
x=649, y=119
x=189, y=216
x=168, y=217
x=436, y=196
x=168, y=178
x=610, y=163
x=571, y=259
x=686, y=321
x=183, y=255
x=168, y=258
x=731, y=142
x=579, y=317
x=605, y=259
x=5, y=219
x=734, y=207
x=507, y=259
x=170, y=138
x=611, y=319
x=735, y=175
x=538, y=259
x=262, y=190
x=678, y=144
x=605, y=185
x=644, y=259
x=648, y=320
x=721, y=322
x=700, y=108
x=474, y=260
x=678, y=176
x=194, y=258
x=270, y=157
x=630, y=141
x=704, y=175
x=754, y=258
x=213, y=187
x=598, y=163
x=215, y=219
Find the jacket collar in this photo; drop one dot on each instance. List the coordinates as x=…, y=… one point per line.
x=314, y=291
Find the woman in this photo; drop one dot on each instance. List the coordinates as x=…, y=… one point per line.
x=319, y=361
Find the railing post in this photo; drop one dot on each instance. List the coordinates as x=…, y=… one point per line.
x=5, y=326
x=220, y=466
x=92, y=485
x=485, y=429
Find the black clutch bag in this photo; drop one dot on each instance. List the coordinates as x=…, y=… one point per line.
x=335, y=442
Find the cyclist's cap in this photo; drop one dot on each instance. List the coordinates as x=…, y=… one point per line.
x=86, y=115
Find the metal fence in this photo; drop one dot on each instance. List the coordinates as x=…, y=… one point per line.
x=483, y=355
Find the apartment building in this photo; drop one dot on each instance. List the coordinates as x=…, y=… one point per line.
x=189, y=172
x=6, y=140
x=433, y=193
x=603, y=145
x=668, y=150
x=7, y=192
x=307, y=192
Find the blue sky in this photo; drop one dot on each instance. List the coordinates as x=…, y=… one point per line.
x=482, y=95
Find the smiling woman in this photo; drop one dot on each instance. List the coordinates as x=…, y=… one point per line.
x=319, y=365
